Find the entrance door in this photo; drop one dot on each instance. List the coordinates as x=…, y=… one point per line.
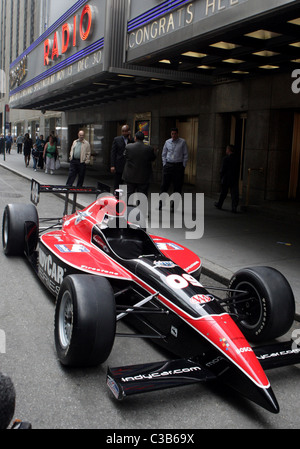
x=237, y=138
x=294, y=190
x=188, y=130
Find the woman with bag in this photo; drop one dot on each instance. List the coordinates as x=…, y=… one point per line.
x=50, y=154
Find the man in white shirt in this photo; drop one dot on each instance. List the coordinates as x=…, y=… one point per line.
x=174, y=159
x=80, y=157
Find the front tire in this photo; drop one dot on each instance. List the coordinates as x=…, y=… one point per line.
x=269, y=310
x=13, y=227
x=85, y=320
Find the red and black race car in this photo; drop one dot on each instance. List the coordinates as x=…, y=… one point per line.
x=103, y=267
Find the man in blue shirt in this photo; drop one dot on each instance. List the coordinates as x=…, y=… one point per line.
x=174, y=159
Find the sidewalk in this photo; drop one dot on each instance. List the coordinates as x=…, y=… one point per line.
x=230, y=241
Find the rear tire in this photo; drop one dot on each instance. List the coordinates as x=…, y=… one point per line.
x=85, y=320
x=13, y=227
x=270, y=310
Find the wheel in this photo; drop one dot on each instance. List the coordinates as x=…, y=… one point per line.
x=269, y=309
x=85, y=320
x=13, y=228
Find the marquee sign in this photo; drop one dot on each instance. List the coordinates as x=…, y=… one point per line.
x=67, y=36
x=71, y=48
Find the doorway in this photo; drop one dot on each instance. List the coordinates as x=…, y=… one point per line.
x=294, y=188
x=188, y=130
x=237, y=139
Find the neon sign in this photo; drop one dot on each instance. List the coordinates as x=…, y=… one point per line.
x=67, y=37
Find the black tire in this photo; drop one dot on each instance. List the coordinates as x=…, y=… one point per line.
x=13, y=227
x=85, y=320
x=270, y=310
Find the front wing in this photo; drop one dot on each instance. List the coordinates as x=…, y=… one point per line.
x=135, y=379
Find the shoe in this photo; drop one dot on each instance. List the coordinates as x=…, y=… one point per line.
x=51, y=172
x=46, y=172
x=217, y=206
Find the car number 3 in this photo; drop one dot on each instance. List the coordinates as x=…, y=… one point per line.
x=179, y=282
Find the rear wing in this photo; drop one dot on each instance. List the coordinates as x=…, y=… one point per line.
x=37, y=189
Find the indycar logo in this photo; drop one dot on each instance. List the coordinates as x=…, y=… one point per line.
x=50, y=273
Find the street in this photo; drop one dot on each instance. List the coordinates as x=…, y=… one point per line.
x=53, y=397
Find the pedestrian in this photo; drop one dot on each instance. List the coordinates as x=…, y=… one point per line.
x=174, y=160
x=40, y=143
x=20, y=141
x=27, y=149
x=229, y=179
x=138, y=166
x=80, y=156
x=50, y=153
x=117, y=155
x=2, y=144
x=9, y=142
x=35, y=156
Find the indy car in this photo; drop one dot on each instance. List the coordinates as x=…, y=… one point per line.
x=103, y=267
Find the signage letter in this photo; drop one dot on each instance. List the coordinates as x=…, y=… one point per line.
x=55, y=51
x=65, y=38
x=46, y=51
x=84, y=34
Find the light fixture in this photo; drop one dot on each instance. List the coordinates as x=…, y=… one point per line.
x=266, y=53
x=263, y=34
x=194, y=54
x=165, y=61
x=295, y=21
x=269, y=67
x=233, y=61
x=224, y=45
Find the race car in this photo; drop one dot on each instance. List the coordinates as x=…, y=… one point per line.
x=103, y=267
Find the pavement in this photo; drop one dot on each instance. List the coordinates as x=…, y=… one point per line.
x=265, y=235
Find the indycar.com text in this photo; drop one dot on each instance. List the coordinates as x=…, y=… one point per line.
x=162, y=374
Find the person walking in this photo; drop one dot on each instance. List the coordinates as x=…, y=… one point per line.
x=80, y=157
x=20, y=141
x=138, y=165
x=27, y=149
x=9, y=142
x=40, y=143
x=117, y=155
x=2, y=144
x=229, y=179
x=50, y=153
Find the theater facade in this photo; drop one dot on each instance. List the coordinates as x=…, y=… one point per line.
x=222, y=71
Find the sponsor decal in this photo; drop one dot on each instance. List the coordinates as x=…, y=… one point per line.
x=112, y=385
x=164, y=264
x=224, y=344
x=50, y=273
x=174, y=372
x=201, y=299
x=167, y=246
x=76, y=248
x=245, y=349
x=82, y=216
x=279, y=354
x=100, y=270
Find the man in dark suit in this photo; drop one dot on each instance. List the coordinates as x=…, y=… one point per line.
x=229, y=179
x=138, y=167
x=117, y=155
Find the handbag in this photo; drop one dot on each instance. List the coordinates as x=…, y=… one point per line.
x=57, y=163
